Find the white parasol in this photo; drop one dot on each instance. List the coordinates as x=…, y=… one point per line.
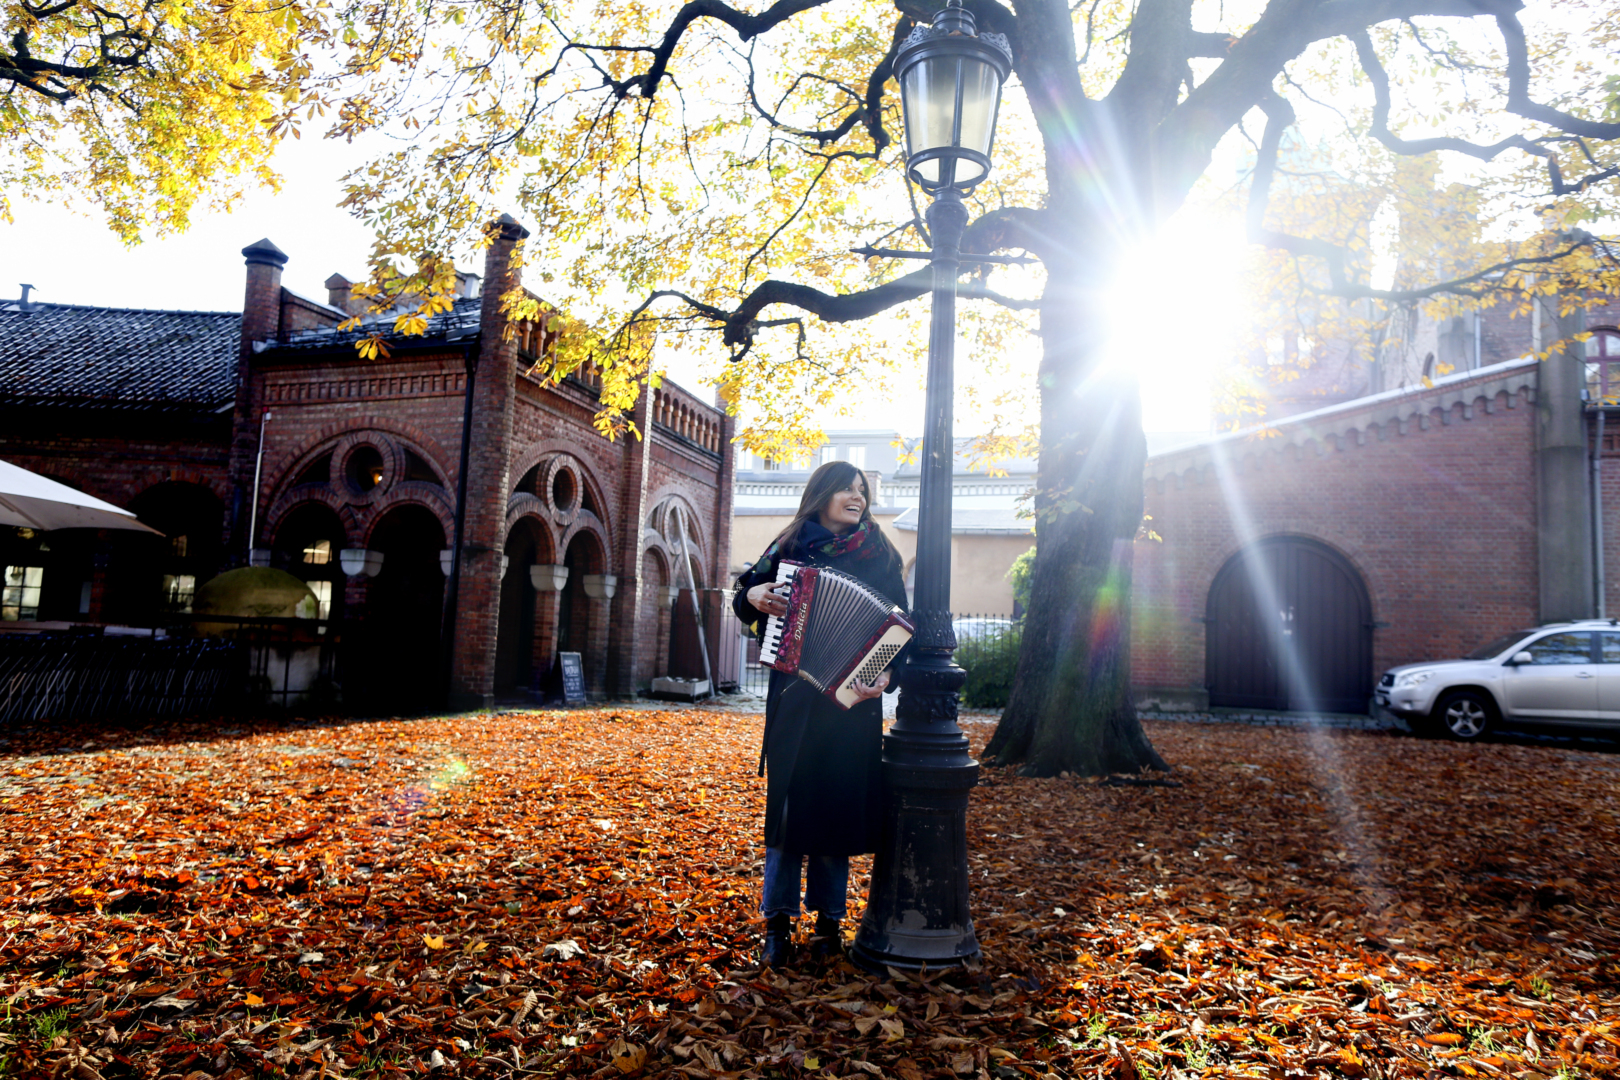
x=34, y=502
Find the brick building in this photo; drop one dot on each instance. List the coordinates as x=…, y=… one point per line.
x=570, y=541
x=1298, y=559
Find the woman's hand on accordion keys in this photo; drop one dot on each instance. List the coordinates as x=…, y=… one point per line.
x=866, y=693
x=767, y=600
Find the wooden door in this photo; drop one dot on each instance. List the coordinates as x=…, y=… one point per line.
x=1289, y=626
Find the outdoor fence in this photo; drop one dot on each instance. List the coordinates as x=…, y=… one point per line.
x=169, y=672
x=48, y=676
x=986, y=646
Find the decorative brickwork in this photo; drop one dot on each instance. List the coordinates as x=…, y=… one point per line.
x=365, y=454
x=1429, y=494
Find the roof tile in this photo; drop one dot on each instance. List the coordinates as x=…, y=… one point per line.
x=71, y=354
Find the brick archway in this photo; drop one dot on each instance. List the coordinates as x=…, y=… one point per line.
x=1289, y=626
x=582, y=620
x=525, y=642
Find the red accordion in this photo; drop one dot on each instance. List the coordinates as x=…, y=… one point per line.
x=837, y=631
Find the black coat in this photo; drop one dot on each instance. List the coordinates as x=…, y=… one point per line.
x=823, y=765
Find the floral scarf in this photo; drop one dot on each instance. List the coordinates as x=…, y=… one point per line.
x=862, y=541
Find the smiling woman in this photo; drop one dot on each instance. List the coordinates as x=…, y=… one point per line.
x=823, y=763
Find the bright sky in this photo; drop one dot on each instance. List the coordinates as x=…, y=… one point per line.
x=1173, y=334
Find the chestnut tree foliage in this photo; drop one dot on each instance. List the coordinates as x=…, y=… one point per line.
x=145, y=106
x=695, y=173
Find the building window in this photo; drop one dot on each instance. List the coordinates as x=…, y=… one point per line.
x=418, y=470
x=828, y=453
x=1603, y=366
x=857, y=457
x=318, y=554
x=771, y=464
x=177, y=546
x=365, y=469
x=19, y=593
x=178, y=590
x=323, y=597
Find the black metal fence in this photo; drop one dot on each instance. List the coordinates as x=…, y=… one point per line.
x=46, y=676
x=168, y=672
x=986, y=645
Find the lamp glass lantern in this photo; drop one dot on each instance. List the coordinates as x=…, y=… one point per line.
x=950, y=79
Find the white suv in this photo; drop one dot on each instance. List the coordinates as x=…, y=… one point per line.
x=1563, y=673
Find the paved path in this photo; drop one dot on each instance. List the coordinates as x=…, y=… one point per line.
x=1339, y=721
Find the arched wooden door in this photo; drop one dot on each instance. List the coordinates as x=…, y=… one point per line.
x=1289, y=626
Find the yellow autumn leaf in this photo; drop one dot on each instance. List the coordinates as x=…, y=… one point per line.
x=255, y=999
x=432, y=941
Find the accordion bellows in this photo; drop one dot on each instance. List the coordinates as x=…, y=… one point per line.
x=837, y=631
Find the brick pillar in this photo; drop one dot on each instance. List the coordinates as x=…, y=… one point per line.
x=261, y=321
x=725, y=492
x=596, y=644
x=98, y=581
x=353, y=600
x=625, y=643
x=1563, y=497
x=546, y=610
x=472, y=677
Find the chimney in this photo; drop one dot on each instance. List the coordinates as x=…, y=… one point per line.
x=467, y=285
x=261, y=307
x=261, y=321
x=874, y=487
x=337, y=292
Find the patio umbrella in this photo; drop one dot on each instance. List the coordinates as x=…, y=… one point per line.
x=30, y=500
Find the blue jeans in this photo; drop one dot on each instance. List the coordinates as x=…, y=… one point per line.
x=826, y=882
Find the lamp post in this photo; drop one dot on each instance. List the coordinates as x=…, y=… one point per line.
x=917, y=910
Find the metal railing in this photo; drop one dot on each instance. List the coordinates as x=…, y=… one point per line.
x=53, y=676
x=986, y=646
x=167, y=671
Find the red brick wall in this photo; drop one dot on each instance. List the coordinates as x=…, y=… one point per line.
x=116, y=457
x=333, y=402
x=1439, y=519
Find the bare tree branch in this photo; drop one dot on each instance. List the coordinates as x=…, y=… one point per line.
x=1279, y=117
x=1011, y=227
x=1518, y=71
x=1373, y=66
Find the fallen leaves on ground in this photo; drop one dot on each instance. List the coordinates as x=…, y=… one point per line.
x=573, y=894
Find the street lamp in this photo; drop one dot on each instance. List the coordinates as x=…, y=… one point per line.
x=917, y=910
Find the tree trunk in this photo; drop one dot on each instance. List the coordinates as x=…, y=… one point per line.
x=1071, y=708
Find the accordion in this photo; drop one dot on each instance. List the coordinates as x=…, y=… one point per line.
x=837, y=631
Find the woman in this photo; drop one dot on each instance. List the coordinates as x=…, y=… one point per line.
x=823, y=765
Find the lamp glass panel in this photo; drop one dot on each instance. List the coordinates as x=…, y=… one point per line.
x=980, y=86
x=930, y=94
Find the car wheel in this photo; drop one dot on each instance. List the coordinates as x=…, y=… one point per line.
x=1465, y=714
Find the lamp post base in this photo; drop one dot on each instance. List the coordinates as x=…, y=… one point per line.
x=917, y=915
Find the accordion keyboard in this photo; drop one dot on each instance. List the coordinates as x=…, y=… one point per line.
x=771, y=642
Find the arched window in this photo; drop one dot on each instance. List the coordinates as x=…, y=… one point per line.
x=1603, y=366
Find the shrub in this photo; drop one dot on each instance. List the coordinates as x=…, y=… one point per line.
x=990, y=661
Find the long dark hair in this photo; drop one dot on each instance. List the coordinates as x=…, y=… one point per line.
x=824, y=483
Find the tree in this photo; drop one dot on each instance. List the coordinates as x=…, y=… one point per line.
x=697, y=174
x=143, y=106
x=705, y=169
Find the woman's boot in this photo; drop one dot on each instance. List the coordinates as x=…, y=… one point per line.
x=778, y=949
x=827, y=942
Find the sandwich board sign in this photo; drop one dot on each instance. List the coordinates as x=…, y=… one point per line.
x=573, y=677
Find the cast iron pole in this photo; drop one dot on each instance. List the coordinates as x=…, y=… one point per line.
x=917, y=911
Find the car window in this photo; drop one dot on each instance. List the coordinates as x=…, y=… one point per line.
x=1609, y=642
x=1562, y=649
x=1490, y=649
